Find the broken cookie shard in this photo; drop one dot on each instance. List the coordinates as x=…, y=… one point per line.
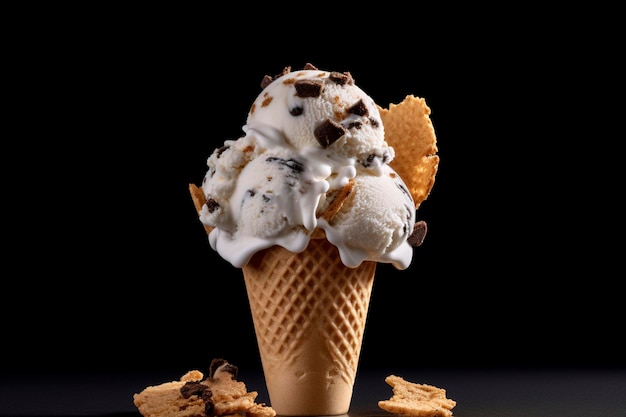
x=419, y=400
x=193, y=396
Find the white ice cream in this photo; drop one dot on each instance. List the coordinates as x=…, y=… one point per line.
x=308, y=133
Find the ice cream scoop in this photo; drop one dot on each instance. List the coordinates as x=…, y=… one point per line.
x=307, y=135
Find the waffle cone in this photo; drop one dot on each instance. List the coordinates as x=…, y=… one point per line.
x=309, y=313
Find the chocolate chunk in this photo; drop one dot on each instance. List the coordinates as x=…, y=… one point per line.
x=267, y=80
x=418, y=235
x=293, y=164
x=223, y=366
x=207, y=394
x=219, y=151
x=328, y=133
x=402, y=187
x=369, y=160
x=384, y=158
x=216, y=363
x=193, y=388
x=374, y=122
x=295, y=167
x=309, y=66
x=308, y=88
x=341, y=78
x=212, y=205
x=209, y=407
x=296, y=111
x=355, y=125
x=358, y=108
x=231, y=369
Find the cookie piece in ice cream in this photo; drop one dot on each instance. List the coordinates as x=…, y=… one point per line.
x=418, y=400
x=192, y=396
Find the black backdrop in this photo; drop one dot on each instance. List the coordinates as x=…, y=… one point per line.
x=108, y=268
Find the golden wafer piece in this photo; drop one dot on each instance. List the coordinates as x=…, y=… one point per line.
x=198, y=201
x=419, y=400
x=409, y=131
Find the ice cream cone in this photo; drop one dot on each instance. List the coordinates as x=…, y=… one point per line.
x=309, y=310
x=309, y=313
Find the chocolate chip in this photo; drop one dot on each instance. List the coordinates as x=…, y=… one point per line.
x=231, y=369
x=267, y=80
x=219, y=151
x=374, y=122
x=207, y=394
x=341, y=78
x=293, y=174
x=418, y=235
x=293, y=164
x=402, y=187
x=193, y=388
x=358, y=108
x=308, y=88
x=216, y=363
x=355, y=125
x=209, y=407
x=212, y=205
x=369, y=160
x=296, y=111
x=328, y=133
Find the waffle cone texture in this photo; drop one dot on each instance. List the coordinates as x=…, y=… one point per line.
x=309, y=313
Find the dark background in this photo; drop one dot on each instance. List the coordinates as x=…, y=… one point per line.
x=109, y=269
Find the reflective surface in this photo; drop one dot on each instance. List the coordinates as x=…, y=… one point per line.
x=478, y=393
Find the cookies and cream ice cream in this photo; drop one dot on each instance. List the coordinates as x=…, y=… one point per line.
x=308, y=135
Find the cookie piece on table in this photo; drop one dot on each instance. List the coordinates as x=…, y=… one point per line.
x=221, y=394
x=418, y=400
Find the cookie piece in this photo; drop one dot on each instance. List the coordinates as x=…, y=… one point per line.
x=409, y=131
x=219, y=395
x=419, y=400
x=336, y=199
